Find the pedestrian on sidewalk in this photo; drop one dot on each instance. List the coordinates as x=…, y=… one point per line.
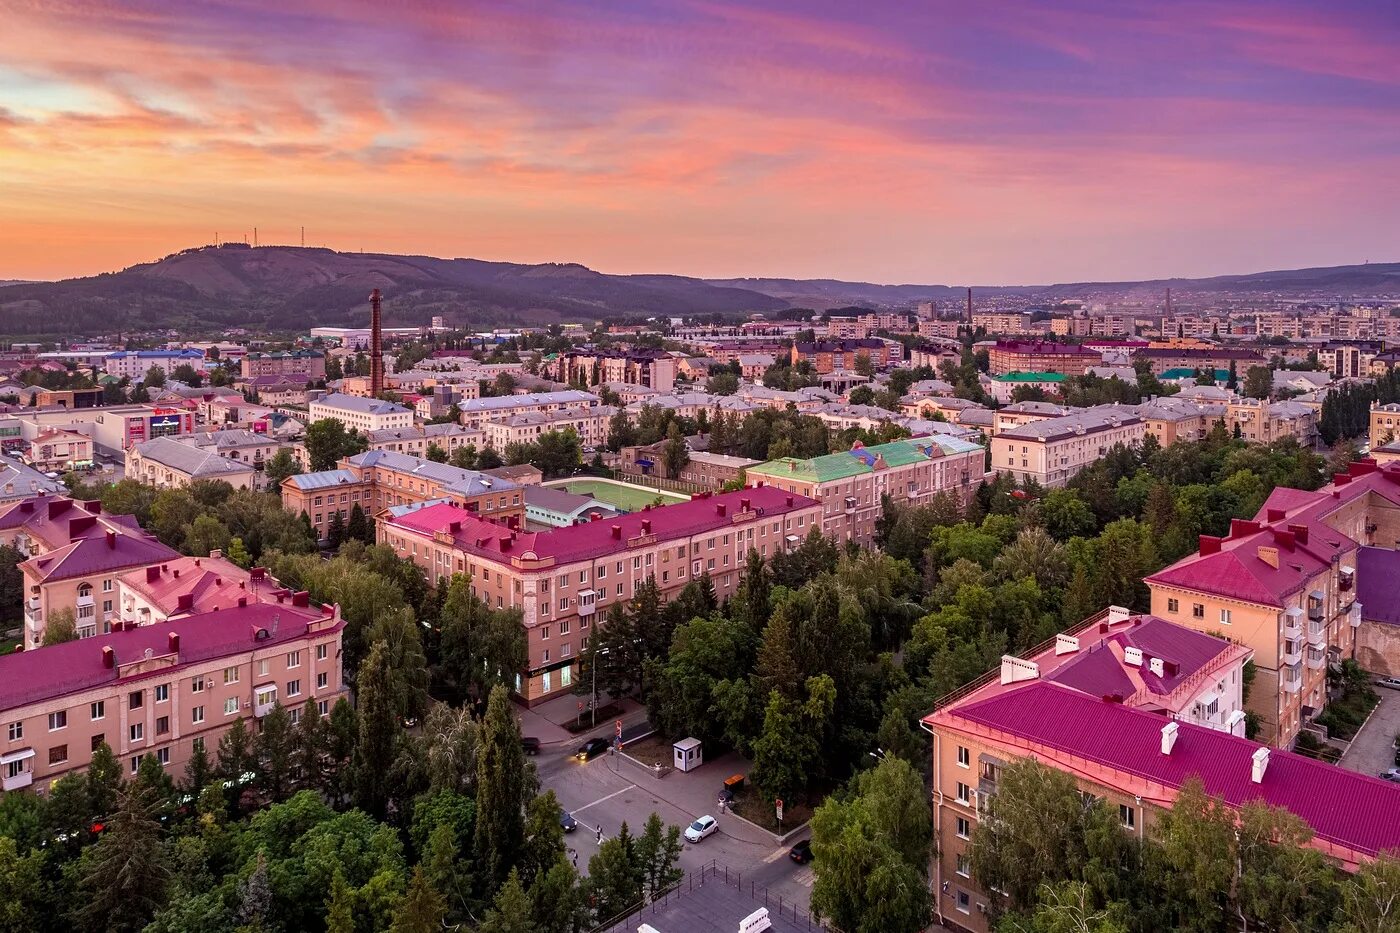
x=600, y=834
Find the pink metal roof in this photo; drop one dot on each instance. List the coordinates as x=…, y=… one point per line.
x=594, y=539
x=89, y=556
x=59, y=520
x=191, y=585
x=1353, y=810
x=43, y=673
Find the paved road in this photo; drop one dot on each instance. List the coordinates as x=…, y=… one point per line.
x=610, y=789
x=1373, y=751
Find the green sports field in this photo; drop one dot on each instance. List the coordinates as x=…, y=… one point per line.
x=624, y=496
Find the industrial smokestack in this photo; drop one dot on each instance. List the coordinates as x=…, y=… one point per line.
x=1169, y=302
x=969, y=305
x=376, y=347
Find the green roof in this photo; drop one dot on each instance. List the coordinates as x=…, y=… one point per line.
x=1186, y=372
x=1030, y=377
x=859, y=461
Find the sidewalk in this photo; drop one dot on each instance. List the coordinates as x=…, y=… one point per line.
x=547, y=720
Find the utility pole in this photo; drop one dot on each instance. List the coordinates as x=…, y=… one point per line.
x=602, y=652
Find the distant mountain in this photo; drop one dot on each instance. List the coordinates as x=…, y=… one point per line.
x=291, y=288
x=283, y=287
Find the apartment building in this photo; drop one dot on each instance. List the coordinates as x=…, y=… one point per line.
x=477, y=411
x=1161, y=359
x=361, y=413
x=1132, y=758
x=250, y=447
x=1026, y=356
x=278, y=390
x=563, y=580
x=850, y=485
x=1005, y=322
x=305, y=365
x=828, y=356
x=1285, y=585
x=1005, y=385
x=78, y=554
x=1194, y=413
x=590, y=367
x=1385, y=424
x=159, y=689
x=589, y=423
x=18, y=481
x=168, y=463
x=1053, y=450
x=190, y=586
x=702, y=469
x=1349, y=359
x=134, y=364
x=415, y=440
x=378, y=479
x=1022, y=413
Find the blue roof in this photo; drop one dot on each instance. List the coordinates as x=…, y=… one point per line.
x=323, y=479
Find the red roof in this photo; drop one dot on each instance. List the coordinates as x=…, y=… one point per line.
x=1359, y=812
x=1100, y=671
x=594, y=539
x=59, y=520
x=58, y=670
x=192, y=585
x=88, y=556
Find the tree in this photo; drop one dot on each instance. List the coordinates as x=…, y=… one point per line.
x=480, y=647
x=206, y=535
x=155, y=378
x=788, y=745
x=436, y=454
x=658, y=852
x=1065, y=515
x=238, y=553
x=123, y=878
x=104, y=780
x=1193, y=865
x=335, y=530
x=503, y=785
x=328, y=441
x=274, y=750
x=62, y=626
x=722, y=384
x=675, y=454
x=1370, y=897
x=558, y=453
x=422, y=910
x=340, y=905
x=872, y=851
x=614, y=884
x=378, y=731
x=187, y=374
x=864, y=365
x=557, y=901
x=511, y=911
x=1068, y=907
x=280, y=466
x=199, y=772
x=1282, y=882
x=1258, y=382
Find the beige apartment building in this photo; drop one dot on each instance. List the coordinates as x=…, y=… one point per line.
x=1053, y=450
x=1285, y=585
x=1385, y=424
x=416, y=439
x=564, y=579
x=647, y=367
x=159, y=689
x=361, y=413
x=169, y=463
x=590, y=424
x=850, y=485
x=476, y=412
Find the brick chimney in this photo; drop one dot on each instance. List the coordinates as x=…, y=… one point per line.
x=1169, y=733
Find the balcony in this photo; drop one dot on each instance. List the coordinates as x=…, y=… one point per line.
x=850, y=504
x=1317, y=635
x=1293, y=623
x=1292, y=651
x=264, y=699
x=1317, y=659
x=32, y=603
x=84, y=602
x=587, y=602
x=1292, y=678
x=17, y=773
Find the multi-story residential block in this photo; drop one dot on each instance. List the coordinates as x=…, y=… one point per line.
x=702, y=469
x=477, y=411
x=1005, y=322
x=834, y=355
x=166, y=462
x=416, y=439
x=77, y=555
x=1024, y=356
x=278, y=390
x=1284, y=584
x=361, y=413
x=852, y=484
x=1052, y=450
x=59, y=450
x=188, y=586
x=1005, y=385
x=1385, y=424
x=564, y=579
x=306, y=365
x=18, y=481
x=250, y=447
x=134, y=364
x=159, y=689
x=589, y=423
x=1349, y=359
x=1021, y=413
x=1161, y=359
x=591, y=367
x=378, y=479
x=1130, y=756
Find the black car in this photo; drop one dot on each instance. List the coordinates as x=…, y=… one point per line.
x=530, y=744
x=567, y=822
x=592, y=749
x=802, y=852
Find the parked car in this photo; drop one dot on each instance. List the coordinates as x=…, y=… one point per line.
x=567, y=822
x=802, y=852
x=592, y=749
x=1390, y=774
x=530, y=744
x=1391, y=682
x=701, y=828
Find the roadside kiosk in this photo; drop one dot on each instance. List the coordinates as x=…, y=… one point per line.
x=687, y=755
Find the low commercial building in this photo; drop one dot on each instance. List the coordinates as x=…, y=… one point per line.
x=851, y=485
x=547, y=507
x=1035, y=356
x=160, y=689
x=1052, y=450
x=702, y=469
x=60, y=451
x=169, y=463
x=113, y=427
x=563, y=580
x=360, y=413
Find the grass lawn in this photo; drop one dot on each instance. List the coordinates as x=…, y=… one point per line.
x=624, y=496
x=752, y=806
x=652, y=750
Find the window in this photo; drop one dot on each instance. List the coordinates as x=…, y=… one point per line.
x=1127, y=816
x=964, y=757
x=964, y=865
x=162, y=725
x=107, y=585
x=323, y=707
x=135, y=763
x=135, y=699
x=563, y=628
x=197, y=685
x=322, y=680
x=964, y=793
x=163, y=756
x=230, y=675
x=546, y=656
x=16, y=731
x=293, y=688
x=1173, y=605
x=964, y=902
x=98, y=710
x=138, y=731
x=263, y=667
x=294, y=659
x=230, y=706
x=58, y=754
x=321, y=652
x=197, y=715
x=1224, y=616
x=162, y=693
x=58, y=720
x=544, y=629
x=1198, y=611
x=964, y=828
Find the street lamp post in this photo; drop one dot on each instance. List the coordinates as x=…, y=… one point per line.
x=596, y=655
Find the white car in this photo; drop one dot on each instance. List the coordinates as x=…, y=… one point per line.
x=1391, y=682
x=701, y=828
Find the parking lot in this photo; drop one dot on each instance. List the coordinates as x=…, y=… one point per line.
x=1373, y=749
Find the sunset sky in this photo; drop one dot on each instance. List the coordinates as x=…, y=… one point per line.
x=884, y=140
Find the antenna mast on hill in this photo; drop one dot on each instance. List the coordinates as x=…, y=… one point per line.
x=376, y=347
x=303, y=238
